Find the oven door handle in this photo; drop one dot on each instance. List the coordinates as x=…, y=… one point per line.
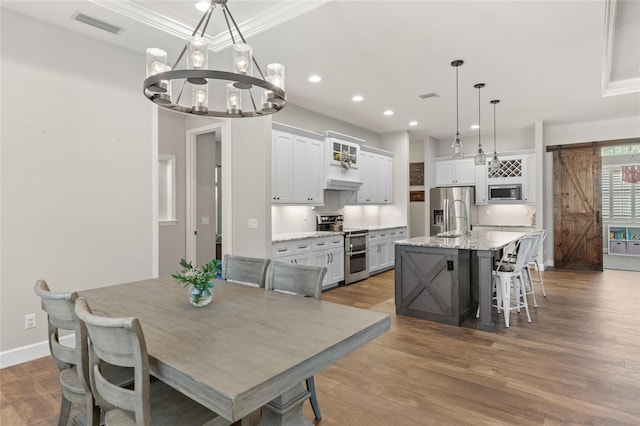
x=353, y=253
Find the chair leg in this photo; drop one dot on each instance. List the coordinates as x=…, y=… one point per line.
x=65, y=409
x=532, y=292
x=540, y=276
x=505, y=296
x=311, y=387
x=521, y=291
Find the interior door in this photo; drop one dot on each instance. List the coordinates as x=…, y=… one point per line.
x=576, y=208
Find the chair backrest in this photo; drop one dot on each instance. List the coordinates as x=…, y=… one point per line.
x=245, y=269
x=540, y=236
x=525, y=246
x=59, y=307
x=120, y=342
x=300, y=279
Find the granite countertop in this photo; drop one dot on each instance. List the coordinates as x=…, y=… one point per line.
x=506, y=226
x=478, y=240
x=293, y=236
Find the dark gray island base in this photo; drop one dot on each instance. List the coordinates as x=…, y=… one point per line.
x=435, y=276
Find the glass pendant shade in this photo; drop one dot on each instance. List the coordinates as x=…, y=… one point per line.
x=156, y=63
x=457, y=150
x=242, y=62
x=480, y=158
x=494, y=165
x=164, y=98
x=197, y=57
x=275, y=76
x=200, y=98
x=234, y=99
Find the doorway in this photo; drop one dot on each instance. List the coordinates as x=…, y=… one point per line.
x=205, y=197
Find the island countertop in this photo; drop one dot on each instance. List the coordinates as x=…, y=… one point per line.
x=476, y=240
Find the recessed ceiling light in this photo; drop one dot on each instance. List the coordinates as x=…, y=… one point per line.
x=203, y=5
x=475, y=126
x=388, y=112
x=413, y=123
x=357, y=98
x=315, y=78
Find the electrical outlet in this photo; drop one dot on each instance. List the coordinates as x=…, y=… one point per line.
x=305, y=215
x=253, y=223
x=29, y=321
x=487, y=212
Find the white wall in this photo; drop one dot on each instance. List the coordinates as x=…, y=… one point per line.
x=77, y=171
x=397, y=213
x=172, y=238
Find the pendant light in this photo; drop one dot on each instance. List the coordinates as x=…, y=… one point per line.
x=480, y=157
x=457, y=150
x=494, y=165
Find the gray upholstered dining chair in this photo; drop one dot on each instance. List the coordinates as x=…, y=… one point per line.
x=245, y=269
x=73, y=362
x=303, y=280
x=120, y=341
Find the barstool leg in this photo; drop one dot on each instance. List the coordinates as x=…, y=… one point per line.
x=522, y=292
x=530, y=281
x=505, y=289
x=540, y=276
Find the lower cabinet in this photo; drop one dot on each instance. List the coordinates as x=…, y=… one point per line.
x=382, y=248
x=315, y=251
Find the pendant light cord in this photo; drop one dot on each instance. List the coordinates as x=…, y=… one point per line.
x=479, y=141
x=457, y=100
x=494, y=128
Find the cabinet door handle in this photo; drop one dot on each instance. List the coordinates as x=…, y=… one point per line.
x=598, y=216
x=281, y=250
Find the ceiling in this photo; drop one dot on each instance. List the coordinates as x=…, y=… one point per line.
x=552, y=61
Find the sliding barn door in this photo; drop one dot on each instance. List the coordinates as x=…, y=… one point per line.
x=576, y=205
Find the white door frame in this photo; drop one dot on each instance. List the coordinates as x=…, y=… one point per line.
x=191, y=220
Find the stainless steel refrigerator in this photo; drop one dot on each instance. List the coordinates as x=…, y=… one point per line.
x=452, y=210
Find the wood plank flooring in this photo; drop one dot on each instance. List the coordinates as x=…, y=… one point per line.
x=578, y=362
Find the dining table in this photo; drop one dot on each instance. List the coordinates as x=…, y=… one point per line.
x=250, y=348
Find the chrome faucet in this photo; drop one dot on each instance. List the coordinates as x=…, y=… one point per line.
x=465, y=216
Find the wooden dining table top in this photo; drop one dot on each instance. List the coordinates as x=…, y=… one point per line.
x=245, y=348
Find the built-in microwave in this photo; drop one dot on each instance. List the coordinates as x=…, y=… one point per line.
x=505, y=193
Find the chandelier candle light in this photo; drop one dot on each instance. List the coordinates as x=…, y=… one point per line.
x=480, y=157
x=494, y=165
x=239, y=81
x=457, y=150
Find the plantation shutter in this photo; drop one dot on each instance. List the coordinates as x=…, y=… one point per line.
x=621, y=196
x=606, y=194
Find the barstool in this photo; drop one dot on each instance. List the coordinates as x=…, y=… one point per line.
x=506, y=273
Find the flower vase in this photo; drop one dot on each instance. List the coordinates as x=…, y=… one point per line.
x=200, y=297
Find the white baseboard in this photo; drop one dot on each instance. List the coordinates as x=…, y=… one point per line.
x=31, y=352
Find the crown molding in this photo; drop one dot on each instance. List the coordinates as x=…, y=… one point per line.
x=266, y=19
x=618, y=87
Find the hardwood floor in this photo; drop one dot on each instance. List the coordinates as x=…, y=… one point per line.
x=578, y=362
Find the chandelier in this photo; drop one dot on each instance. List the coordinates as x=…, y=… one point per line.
x=240, y=83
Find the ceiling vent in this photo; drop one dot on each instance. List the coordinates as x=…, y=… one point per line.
x=429, y=95
x=80, y=17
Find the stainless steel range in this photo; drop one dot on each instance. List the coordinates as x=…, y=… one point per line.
x=356, y=246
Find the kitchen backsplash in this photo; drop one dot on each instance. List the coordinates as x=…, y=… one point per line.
x=285, y=219
x=506, y=214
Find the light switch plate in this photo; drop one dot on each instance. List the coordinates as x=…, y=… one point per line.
x=205, y=220
x=253, y=223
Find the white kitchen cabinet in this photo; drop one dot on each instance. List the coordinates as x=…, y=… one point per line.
x=376, y=174
x=481, y=185
x=455, y=172
x=529, y=183
x=316, y=251
x=282, y=189
x=297, y=169
x=382, y=248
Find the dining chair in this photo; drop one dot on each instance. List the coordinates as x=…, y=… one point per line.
x=241, y=269
x=303, y=280
x=120, y=341
x=507, y=273
x=73, y=361
x=540, y=235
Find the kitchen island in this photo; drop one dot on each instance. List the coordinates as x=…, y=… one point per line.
x=438, y=278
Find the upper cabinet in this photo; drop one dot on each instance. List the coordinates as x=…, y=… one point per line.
x=376, y=173
x=455, y=172
x=342, y=162
x=297, y=167
x=516, y=169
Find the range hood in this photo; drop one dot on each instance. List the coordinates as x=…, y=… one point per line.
x=342, y=185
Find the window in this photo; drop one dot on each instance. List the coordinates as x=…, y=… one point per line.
x=167, y=189
x=620, y=200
